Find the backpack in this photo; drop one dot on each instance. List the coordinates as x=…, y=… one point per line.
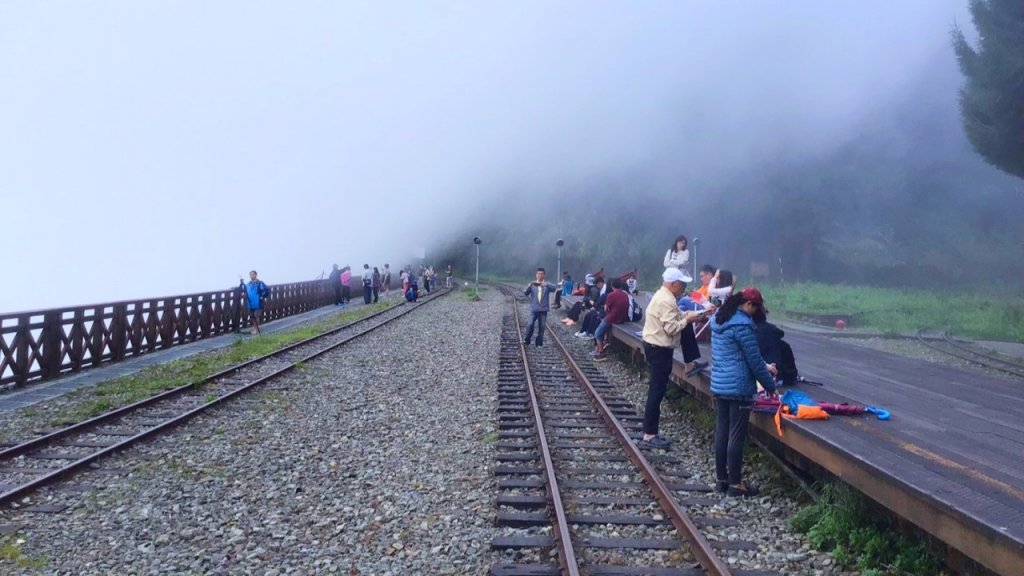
x=634, y=313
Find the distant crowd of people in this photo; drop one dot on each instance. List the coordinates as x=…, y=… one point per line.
x=377, y=281
x=745, y=348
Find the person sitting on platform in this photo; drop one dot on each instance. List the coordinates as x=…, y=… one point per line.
x=688, y=337
x=616, y=312
x=585, y=303
x=774, y=349
x=707, y=272
x=720, y=286
x=593, y=317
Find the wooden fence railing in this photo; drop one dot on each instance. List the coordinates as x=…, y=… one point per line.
x=44, y=344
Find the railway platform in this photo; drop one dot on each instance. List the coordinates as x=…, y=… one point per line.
x=949, y=460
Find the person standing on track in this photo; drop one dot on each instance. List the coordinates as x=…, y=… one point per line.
x=256, y=294
x=539, y=292
x=662, y=326
x=736, y=368
x=616, y=311
x=448, y=276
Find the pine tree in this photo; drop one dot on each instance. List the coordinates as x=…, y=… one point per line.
x=992, y=101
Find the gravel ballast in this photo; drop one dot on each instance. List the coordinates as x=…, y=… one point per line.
x=764, y=519
x=373, y=459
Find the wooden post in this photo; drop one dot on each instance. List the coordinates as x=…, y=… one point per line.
x=50, y=339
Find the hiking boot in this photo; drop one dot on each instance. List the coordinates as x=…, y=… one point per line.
x=602, y=357
x=743, y=491
x=657, y=442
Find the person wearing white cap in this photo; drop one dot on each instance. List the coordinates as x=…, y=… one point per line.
x=664, y=321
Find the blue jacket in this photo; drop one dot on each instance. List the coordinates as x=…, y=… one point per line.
x=255, y=292
x=736, y=362
x=539, y=296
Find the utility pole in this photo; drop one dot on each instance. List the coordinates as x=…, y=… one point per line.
x=476, y=291
x=559, y=243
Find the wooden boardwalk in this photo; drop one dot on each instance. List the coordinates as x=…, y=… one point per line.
x=951, y=459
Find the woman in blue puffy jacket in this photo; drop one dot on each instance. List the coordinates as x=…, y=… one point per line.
x=736, y=367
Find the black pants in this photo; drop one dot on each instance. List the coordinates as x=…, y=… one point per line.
x=337, y=294
x=558, y=299
x=732, y=416
x=539, y=319
x=575, y=311
x=376, y=294
x=659, y=359
x=688, y=342
x=367, y=293
x=346, y=293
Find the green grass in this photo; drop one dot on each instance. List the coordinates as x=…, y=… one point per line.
x=906, y=311
x=125, y=390
x=11, y=553
x=842, y=522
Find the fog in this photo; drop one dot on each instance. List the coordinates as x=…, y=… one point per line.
x=157, y=148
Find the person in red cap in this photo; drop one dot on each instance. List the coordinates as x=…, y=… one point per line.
x=736, y=368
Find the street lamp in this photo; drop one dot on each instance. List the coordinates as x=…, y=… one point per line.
x=558, y=275
x=696, y=241
x=477, y=241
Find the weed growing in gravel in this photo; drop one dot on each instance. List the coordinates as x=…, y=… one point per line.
x=11, y=552
x=125, y=390
x=842, y=522
x=492, y=437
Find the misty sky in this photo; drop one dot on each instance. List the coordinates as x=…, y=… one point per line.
x=157, y=148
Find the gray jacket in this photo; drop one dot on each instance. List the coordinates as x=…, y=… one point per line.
x=539, y=296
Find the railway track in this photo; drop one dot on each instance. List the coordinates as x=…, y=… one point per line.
x=44, y=460
x=945, y=343
x=573, y=486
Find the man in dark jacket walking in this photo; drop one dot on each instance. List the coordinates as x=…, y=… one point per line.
x=539, y=292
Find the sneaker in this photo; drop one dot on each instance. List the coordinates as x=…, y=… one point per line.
x=539, y=345
x=696, y=368
x=722, y=486
x=601, y=358
x=582, y=335
x=526, y=342
x=743, y=491
x=657, y=442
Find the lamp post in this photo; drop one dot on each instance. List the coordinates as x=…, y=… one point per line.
x=558, y=274
x=476, y=291
x=696, y=241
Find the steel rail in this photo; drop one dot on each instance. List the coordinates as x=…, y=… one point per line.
x=701, y=547
x=563, y=540
x=949, y=339
x=64, y=471
x=969, y=356
x=78, y=427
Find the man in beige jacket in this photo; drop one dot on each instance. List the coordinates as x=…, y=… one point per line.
x=664, y=321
